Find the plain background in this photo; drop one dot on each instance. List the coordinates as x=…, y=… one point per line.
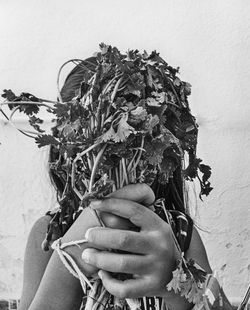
x=209, y=40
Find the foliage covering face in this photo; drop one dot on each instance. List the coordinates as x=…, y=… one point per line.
x=128, y=122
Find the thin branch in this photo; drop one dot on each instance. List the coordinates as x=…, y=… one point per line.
x=27, y=103
x=79, y=155
x=139, y=156
x=24, y=132
x=13, y=112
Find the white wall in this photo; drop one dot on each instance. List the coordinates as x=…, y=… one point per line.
x=210, y=42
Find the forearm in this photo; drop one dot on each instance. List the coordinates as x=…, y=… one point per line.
x=58, y=290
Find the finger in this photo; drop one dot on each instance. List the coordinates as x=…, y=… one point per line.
x=125, y=240
x=115, y=262
x=135, y=212
x=114, y=221
x=141, y=193
x=131, y=288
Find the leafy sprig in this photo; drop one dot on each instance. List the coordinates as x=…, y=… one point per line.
x=188, y=280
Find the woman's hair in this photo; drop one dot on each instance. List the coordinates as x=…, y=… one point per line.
x=172, y=191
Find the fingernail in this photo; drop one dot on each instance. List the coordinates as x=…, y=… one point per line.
x=86, y=256
x=87, y=233
x=100, y=274
x=95, y=204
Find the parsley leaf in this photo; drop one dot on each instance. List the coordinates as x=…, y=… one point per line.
x=44, y=140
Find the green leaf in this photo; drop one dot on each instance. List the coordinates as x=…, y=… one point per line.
x=62, y=110
x=28, y=109
x=44, y=140
x=161, y=97
x=198, y=273
x=191, y=171
x=35, y=122
x=110, y=134
x=206, y=170
x=8, y=94
x=179, y=277
x=151, y=122
x=123, y=129
x=153, y=102
x=137, y=115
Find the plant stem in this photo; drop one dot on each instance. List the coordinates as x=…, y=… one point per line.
x=27, y=103
x=140, y=153
x=116, y=88
x=173, y=89
x=132, y=161
x=110, y=83
x=99, y=116
x=13, y=112
x=24, y=132
x=117, y=178
x=125, y=172
x=120, y=173
x=89, y=161
x=98, y=157
x=79, y=155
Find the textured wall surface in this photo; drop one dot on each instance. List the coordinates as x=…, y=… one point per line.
x=210, y=42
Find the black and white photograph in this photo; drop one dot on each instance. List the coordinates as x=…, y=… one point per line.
x=124, y=155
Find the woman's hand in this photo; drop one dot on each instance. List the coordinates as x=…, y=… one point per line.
x=140, y=193
x=151, y=253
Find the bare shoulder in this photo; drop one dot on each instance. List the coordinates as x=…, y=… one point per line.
x=41, y=224
x=197, y=251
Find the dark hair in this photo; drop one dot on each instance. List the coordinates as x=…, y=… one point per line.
x=172, y=191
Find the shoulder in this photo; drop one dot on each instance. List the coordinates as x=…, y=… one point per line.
x=197, y=251
x=41, y=223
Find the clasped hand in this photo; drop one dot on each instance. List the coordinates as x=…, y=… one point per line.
x=148, y=253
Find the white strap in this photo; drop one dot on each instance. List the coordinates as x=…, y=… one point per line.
x=69, y=262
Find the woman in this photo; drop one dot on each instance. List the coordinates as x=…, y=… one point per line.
x=142, y=242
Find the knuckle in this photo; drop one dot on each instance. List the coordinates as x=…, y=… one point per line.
x=109, y=204
x=145, y=187
x=162, y=246
x=155, y=281
x=122, y=264
x=162, y=238
x=123, y=240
